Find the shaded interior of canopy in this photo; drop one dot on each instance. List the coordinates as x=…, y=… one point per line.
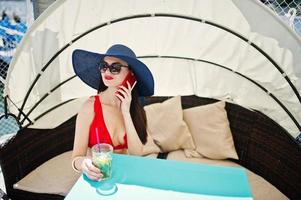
x=272, y=26
x=187, y=55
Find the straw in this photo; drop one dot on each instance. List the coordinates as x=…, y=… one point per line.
x=97, y=136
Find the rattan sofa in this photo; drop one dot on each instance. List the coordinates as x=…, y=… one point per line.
x=262, y=145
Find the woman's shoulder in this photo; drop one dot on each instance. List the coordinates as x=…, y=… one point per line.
x=88, y=106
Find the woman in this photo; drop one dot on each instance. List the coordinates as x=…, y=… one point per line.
x=114, y=115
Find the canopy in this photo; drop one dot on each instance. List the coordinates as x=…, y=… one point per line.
x=232, y=50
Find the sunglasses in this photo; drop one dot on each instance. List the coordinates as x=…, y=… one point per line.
x=114, y=68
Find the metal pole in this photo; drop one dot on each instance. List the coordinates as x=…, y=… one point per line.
x=29, y=13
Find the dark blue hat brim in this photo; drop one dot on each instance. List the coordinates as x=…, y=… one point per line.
x=85, y=65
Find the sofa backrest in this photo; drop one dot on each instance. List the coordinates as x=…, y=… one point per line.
x=30, y=148
x=263, y=146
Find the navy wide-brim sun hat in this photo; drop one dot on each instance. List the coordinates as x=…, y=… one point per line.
x=85, y=65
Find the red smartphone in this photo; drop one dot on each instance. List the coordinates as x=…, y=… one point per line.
x=130, y=77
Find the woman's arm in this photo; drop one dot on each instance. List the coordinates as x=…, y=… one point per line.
x=135, y=146
x=83, y=121
x=80, y=160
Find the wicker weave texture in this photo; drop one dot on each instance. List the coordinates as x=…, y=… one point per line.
x=29, y=149
x=262, y=145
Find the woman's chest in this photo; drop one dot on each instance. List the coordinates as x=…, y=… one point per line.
x=114, y=123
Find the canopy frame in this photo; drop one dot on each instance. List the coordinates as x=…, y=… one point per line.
x=273, y=62
x=173, y=57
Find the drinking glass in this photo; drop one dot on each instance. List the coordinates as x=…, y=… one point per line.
x=102, y=159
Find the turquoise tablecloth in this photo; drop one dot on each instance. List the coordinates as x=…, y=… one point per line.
x=149, y=178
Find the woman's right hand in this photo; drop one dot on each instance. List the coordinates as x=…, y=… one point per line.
x=90, y=170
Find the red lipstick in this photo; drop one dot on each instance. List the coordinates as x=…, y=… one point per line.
x=107, y=77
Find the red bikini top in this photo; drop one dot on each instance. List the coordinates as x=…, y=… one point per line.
x=99, y=131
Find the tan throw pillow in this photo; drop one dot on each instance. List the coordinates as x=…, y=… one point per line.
x=55, y=176
x=167, y=127
x=211, y=132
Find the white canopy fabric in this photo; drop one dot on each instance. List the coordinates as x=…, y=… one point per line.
x=228, y=50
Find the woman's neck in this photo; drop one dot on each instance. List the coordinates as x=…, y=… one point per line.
x=108, y=97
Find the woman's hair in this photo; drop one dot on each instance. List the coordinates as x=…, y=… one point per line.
x=136, y=110
x=138, y=116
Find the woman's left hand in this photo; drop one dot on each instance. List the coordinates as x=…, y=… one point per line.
x=126, y=97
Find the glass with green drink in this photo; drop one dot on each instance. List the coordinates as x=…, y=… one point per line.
x=102, y=159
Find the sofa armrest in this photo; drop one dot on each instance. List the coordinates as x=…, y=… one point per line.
x=30, y=148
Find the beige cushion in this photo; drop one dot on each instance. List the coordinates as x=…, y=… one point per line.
x=55, y=176
x=211, y=132
x=261, y=189
x=150, y=147
x=181, y=156
x=153, y=155
x=167, y=127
